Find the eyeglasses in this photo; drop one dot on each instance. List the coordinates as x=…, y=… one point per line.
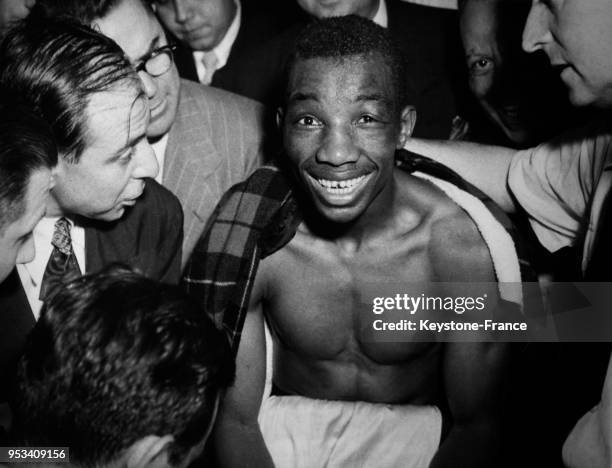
x=157, y=62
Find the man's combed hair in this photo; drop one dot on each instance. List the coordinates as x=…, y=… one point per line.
x=116, y=357
x=348, y=36
x=55, y=66
x=26, y=145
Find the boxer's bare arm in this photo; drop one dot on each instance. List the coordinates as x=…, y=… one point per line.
x=238, y=439
x=485, y=166
x=472, y=372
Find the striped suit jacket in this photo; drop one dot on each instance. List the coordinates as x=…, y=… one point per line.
x=216, y=141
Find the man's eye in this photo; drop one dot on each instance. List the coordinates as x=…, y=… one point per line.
x=480, y=65
x=127, y=156
x=366, y=119
x=308, y=121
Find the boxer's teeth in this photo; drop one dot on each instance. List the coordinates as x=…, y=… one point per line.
x=340, y=186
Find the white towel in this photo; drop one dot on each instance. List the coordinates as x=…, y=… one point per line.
x=498, y=240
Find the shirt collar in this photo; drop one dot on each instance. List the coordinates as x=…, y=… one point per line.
x=159, y=148
x=223, y=49
x=381, y=18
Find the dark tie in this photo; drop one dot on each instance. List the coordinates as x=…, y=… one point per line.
x=62, y=263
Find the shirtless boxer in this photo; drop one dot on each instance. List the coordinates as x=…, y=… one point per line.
x=342, y=121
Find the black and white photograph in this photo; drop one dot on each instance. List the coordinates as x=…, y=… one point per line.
x=305, y=233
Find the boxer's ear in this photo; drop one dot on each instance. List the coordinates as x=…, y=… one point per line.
x=149, y=452
x=408, y=118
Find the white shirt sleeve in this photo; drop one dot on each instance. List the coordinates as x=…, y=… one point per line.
x=554, y=182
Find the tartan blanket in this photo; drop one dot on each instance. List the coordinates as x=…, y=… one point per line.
x=260, y=215
x=252, y=220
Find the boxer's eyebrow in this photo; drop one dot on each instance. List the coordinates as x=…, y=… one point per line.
x=371, y=97
x=303, y=96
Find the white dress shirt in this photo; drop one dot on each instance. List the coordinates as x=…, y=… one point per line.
x=159, y=148
x=223, y=49
x=31, y=274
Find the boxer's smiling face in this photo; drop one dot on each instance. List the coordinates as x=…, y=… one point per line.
x=341, y=127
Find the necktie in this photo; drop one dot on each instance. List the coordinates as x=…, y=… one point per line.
x=210, y=60
x=62, y=263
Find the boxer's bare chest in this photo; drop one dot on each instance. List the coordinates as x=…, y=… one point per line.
x=318, y=296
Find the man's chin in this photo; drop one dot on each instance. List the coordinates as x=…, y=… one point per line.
x=158, y=127
x=162, y=118
x=114, y=214
x=338, y=215
x=203, y=42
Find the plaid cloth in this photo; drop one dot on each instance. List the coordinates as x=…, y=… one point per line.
x=253, y=219
x=259, y=216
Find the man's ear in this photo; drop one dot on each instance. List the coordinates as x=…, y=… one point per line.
x=407, y=121
x=149, y=452
x=279, y=117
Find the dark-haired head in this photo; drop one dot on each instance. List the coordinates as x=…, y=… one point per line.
x=114, y=360
x=26, y=145
x=56, y=65
x=349, y=38
x=27, y=154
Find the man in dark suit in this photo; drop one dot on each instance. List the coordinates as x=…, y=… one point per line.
x=217, y=38
x=205, y=140
x=102, y=207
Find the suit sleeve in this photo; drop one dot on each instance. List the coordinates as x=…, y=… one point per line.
x=257, y=132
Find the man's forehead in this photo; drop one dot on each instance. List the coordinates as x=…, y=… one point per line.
x=133, y=26
x=479, y=18
x=355, y=71
x=114, y=116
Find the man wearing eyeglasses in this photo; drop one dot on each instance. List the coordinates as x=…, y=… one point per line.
x=205, y=139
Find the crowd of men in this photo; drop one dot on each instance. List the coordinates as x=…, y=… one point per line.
x=200, y=198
